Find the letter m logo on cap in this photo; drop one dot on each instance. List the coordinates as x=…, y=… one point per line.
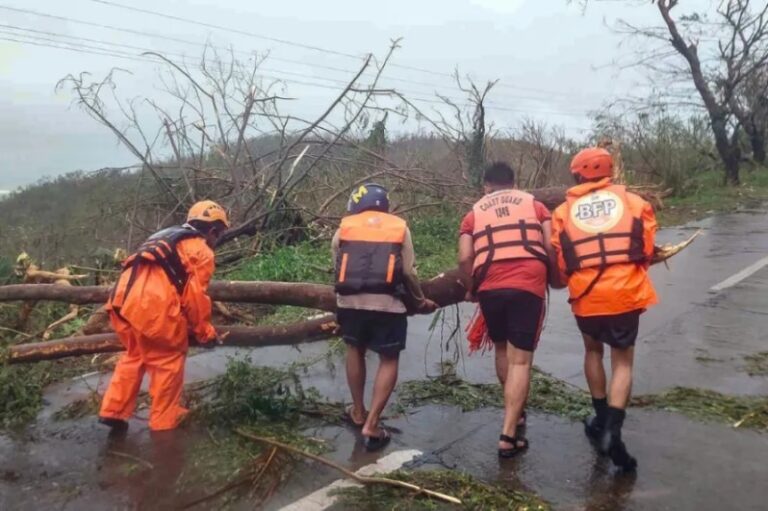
x=356, y=196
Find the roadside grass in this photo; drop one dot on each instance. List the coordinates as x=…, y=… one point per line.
x=21, y=386
x=710, y=196
x=475, y=495
x=308, y=261
x=434, y=238
x=268, y=401
x=435, y=242
x=547, y=394
x=749, y=412
x=551, y=395
x=757, y=364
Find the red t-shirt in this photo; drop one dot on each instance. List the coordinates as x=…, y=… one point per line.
x=526, y=274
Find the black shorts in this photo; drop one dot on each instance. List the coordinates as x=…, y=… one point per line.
x=513, y=315
x=382, y=332
x=616, y=330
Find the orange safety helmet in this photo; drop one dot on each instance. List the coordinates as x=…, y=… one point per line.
x=208, y=211
x=592, y=163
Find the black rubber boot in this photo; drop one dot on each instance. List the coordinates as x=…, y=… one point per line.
x=117, y=425
x=595, y=424
x=611, y=443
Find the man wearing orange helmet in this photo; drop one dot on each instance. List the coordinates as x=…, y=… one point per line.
x=604, y=237
x=159, y=299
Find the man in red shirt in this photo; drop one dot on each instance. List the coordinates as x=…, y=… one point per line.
x=504, y=256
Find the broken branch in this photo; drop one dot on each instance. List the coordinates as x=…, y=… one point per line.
x=365, y=480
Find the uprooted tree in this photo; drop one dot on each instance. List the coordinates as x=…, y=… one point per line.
x=217, y=130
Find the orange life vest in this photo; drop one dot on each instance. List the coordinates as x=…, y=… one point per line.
x=506, y=227
x=370, y=254
x=600, y=230
x=159, y=249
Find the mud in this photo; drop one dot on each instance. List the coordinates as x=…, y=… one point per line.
x=696, y=339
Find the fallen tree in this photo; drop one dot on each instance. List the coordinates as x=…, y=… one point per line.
x=445, y=289
x=272, y=335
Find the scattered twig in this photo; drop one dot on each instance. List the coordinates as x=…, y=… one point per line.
x=253, y=476
x=131, y=457
x=358, y=478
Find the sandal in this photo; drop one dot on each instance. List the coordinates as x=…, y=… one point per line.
x=512, y=451
x=347, y=418
x=376, y=443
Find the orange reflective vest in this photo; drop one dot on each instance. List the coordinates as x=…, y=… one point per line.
x=160, y=250
x=370, y=254
x=506, y=227
x=601, y=230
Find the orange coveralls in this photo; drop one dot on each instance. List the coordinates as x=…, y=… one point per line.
x=154, y=324
x=623, y=287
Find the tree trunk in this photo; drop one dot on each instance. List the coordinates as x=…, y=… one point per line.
x=729, y=153
x=313, y=296
x=757, y=140
x=718, y=114
x=295, y=333
x=445, y=289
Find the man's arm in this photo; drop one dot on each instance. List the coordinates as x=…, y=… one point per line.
x=553, y=272
x=412, y=279
x=196, y=304
x=557, y=227
x=335, y=249
x=650, y=226
x=466, y=262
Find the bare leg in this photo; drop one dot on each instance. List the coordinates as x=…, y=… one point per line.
x=386, y=378
x=621, y=379
x=356, y=381
x=515, y=390
x=593, y=367
x=502, y=365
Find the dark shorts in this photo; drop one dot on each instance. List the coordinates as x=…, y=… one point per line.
x=617, y=330
x=513, y=315
x=382, y=332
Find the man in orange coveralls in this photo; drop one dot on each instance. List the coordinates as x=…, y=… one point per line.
x=604, y=239
x=159, y=300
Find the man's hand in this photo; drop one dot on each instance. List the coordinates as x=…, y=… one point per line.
x=428, y=306
x=216, y=341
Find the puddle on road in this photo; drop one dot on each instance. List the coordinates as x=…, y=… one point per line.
x=76, y=466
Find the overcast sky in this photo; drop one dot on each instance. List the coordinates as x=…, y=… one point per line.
x=552, y=60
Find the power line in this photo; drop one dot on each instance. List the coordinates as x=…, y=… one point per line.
x=250, y=54
x=296, y=44
x=56, y=43
x=229, y=29
x=88, y=52
x=75, y=48
x=147, y=59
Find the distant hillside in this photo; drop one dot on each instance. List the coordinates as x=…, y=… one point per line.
x=79, y=216
x=63, y=219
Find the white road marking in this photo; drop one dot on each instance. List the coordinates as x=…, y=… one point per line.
x=321, y=499
x=738, y=277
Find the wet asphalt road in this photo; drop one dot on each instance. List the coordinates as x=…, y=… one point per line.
x=695, y=338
